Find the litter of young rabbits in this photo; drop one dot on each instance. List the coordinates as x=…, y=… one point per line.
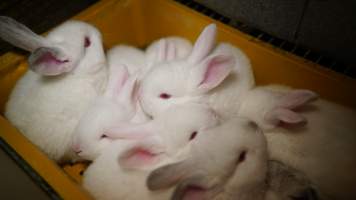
x=177, y=120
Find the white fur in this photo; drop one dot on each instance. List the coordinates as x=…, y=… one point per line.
x=107, y=179
x=180, y=79
x=135, y=60
x=131, y=57
x=107, y=111
x=247, y=182
x=117, y=104
x=46, y=109
x=140, y=62
x=322, y=149
x=104, y=113
x=216, y=166
x=166, y=49
x=213, y=164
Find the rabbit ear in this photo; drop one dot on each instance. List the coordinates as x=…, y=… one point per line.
x=118, y=76
x=129, y=92
x=168, y=175
x=128, y=130
x=48, y=61
x=191, y=189
x=166, y=51
x=192, y=184
x=19, y=35
x=211, y=72
x=120, y=86
x=279, y=116
x=297, y=98
x=204, y=44
x=146, y=153
x=176, y=173
x=284, y=111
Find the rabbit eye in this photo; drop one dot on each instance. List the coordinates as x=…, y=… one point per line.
x=87, y=42
x=193, y=135
x=165, y=96
x=103, y=136
x=242, y=157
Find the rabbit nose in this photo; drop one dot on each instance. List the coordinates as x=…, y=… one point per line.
x=76, y=149
x=78, y=152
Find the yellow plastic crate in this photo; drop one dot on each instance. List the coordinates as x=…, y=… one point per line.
x=139, y=22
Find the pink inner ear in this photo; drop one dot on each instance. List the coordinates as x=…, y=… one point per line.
x=193, y=193
x=283, y=117
x=138, y=157
x=217, y=70
x=297, y=98
x=291, y=117
x=48, y=58
x=162, y=50
x=171, y=52
x=136, y=92
x=143, y=154
x=122, y=81
x=44, y=61
x=117, y=78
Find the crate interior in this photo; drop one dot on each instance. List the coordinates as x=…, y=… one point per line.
x=139, y=22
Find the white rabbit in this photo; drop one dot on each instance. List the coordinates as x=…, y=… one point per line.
x=120, y=172
x=69, y=71
x=135, y=61
x=322, y=149
x=117, y=104
x=227, y=162
x=218, y=79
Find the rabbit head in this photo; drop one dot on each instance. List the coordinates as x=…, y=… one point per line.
x=169, y=135
x=183, y=80
x=117, y=104
x=231, y=157
x=71, y=47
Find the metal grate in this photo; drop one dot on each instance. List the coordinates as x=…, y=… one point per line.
x=325, y=61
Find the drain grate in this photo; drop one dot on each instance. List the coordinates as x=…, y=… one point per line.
x=318, y=58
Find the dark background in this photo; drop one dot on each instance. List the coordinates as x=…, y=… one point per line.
x=327, y=27
x=40, y=15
